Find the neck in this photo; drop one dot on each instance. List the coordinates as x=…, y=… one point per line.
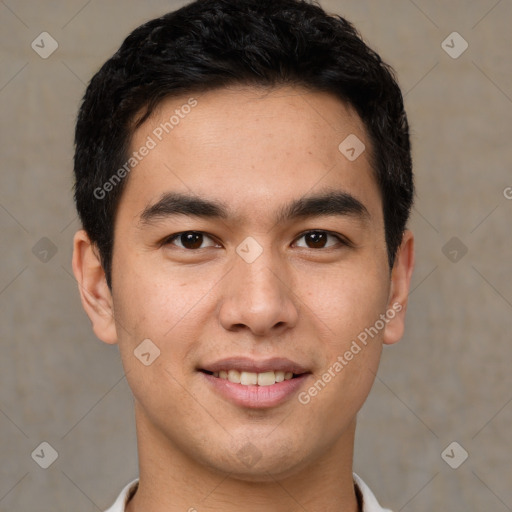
x=171, y=481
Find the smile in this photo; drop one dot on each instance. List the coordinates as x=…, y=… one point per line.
x=255, y=384
x=254, y=379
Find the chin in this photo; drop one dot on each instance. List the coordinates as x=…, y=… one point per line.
x=249, y=464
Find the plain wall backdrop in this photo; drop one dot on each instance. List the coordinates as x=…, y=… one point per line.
x=448, y=380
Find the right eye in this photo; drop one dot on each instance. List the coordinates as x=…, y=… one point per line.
x=191, y=240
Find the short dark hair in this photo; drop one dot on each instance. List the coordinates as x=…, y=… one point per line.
x=211, y=44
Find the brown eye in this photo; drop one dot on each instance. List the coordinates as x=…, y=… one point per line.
x=188, y=240
x=318, y=239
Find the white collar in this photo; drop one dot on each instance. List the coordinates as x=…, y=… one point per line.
x=370, y=503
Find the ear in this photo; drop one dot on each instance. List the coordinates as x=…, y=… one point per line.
x=399, y=290
x=94, y=291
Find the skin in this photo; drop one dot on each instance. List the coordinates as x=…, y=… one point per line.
x=255, y=150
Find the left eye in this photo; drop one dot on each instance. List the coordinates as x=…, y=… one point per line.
x=189, y=239
x=318, y=239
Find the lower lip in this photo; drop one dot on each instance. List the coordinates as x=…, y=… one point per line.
x=256, y=396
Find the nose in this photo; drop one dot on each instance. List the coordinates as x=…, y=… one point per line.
x=258, y=297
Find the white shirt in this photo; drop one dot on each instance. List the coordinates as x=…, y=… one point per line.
x=370, y=503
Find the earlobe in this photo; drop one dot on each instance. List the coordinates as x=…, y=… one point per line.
x=94, y=291
x=399, y=290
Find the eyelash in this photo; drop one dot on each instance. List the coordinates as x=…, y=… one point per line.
x=342, y=240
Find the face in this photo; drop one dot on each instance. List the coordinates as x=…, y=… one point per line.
x=248, y=244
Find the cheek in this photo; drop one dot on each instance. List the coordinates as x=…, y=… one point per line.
x=169, y=308
x=347, y=302
x=154, y=301
x=351, y=305
x=150, y=306
x=352, y=347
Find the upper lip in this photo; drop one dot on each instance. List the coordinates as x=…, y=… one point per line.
x=245, y=364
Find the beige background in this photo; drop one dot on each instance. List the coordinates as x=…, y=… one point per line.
x=448, y=380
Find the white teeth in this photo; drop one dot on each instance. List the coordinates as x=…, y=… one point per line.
x=248, y=378
x=234, y=376
x=266, y=379
x=253, y=378
x=279, y=376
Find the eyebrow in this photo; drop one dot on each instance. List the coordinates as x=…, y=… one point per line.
x=321, y=204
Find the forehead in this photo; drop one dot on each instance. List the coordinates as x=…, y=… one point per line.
x=251, y=148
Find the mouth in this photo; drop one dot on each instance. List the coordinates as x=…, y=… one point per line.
x=255, y=384
x=253, y=378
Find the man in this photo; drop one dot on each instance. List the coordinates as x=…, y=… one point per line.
x=243, y=177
